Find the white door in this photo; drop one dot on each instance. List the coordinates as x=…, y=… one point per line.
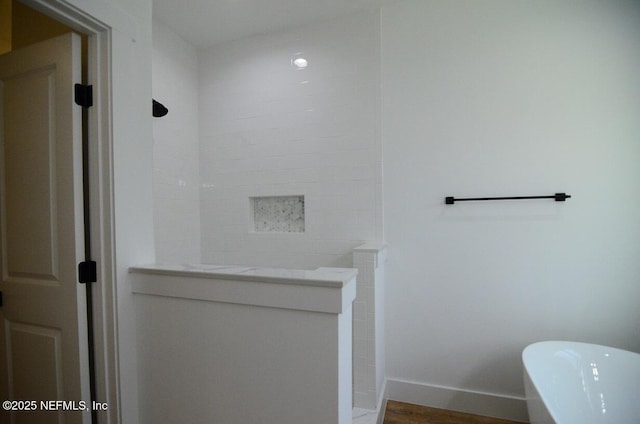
x=43, y=328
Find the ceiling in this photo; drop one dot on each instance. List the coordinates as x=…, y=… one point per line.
x=207, y=22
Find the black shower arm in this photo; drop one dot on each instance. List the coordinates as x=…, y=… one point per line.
x=159, y=110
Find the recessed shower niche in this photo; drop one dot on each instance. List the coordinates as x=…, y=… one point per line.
x=277, y=214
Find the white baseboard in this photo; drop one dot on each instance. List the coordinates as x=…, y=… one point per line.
x=382, y=402
x=471, y=402
x=372, y=416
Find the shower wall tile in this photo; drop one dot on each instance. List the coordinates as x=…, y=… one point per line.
x=269, y=129
x=176, y=178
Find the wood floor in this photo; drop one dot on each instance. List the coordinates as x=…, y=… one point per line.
x=405, y=413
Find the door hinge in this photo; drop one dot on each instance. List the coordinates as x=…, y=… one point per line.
x=84, y=95
x=87, y=272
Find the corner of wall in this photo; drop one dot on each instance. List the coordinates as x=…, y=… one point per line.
x=368, y=326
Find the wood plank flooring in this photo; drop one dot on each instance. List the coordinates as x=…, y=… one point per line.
x=405, y=413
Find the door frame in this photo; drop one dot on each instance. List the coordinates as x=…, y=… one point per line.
x=99, y=75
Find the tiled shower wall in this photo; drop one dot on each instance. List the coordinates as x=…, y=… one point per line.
x=268, y=128
x=176, y=180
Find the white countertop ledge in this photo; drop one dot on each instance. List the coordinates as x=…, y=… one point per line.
x=328, y=290
x=322, y=277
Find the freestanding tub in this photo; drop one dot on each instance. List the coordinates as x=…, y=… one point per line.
x=581, y=383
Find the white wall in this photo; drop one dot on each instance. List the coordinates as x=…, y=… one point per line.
x=176, y=177
x=267, y=128
x=265, y=350
x=132, y=175
x=498, y=97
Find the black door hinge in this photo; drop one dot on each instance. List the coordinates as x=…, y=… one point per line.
x=84, y=95
x=87, y=272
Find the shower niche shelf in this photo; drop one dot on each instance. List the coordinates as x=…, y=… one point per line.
x=277, y=214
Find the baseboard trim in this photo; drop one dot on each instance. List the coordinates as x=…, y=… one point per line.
x=471, y=402
x=382, y=402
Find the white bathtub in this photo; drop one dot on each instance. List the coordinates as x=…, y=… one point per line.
x=581, y=383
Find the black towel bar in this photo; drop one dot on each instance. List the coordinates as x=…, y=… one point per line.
x=558, y=197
